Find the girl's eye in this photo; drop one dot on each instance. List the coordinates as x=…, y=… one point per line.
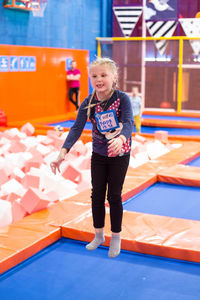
x=94, y=76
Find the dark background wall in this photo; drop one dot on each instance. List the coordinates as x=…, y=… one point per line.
x=72, y=24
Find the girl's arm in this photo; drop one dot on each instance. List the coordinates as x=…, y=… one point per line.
x=73, y=136
x=126, y=116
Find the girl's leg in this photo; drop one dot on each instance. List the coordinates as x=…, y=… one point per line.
x=98, y=240
x=116, y=174
x=99, y=175
x=115, y=245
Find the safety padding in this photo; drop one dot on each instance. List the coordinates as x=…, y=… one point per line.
x=26, y=237
x=148, y=234
x=181, y=174
x=137, y=180
x=195, y=155
x=170, y=123
x=23, y=239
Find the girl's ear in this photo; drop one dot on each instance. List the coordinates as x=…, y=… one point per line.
x=114, y=85
x=115, y=81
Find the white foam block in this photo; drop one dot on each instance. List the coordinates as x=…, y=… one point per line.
x=13, y=186
x=17, y=159
x=17, y=174
x=30, y=142
x=89, y=147
x=44, y=150
x=4, y=141
x=141, y=158
x=28, y=129
x=156, y=149
x=51, y=156
x=65, y=189
x=5, y=213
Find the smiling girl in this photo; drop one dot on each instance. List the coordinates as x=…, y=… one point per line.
x=111, y=115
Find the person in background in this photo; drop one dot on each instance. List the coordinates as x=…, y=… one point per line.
x=73, y=78
x=109, y=110
x=136, y=107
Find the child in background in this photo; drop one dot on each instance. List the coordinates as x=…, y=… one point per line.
x=110, y=113
x=136, y=107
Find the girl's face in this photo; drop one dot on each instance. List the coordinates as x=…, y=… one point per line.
x=102, y=79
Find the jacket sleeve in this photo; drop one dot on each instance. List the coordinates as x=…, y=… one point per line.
x=126, y=116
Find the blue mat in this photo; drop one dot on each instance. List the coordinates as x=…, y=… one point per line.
x=195, y=162
x=144, y=129
x=170, y=200
x=70, y=123
x=67, y=271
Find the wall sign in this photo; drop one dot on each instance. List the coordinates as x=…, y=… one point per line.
x=17, y=63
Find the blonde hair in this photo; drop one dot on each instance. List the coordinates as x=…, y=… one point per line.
x=113, y=67
x=104, y=61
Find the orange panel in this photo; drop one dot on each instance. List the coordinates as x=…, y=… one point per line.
x=35, y=232
x=171, y=113
x=34, y=94
x=18, y=243
x=170, y=123
x=180, y=174
x=145, y=233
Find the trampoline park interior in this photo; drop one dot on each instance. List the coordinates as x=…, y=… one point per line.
x=45, y=219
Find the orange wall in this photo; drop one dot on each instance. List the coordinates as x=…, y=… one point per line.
x=27, y=95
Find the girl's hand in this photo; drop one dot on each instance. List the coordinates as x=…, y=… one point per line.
x=115, y=145
x=55, y=165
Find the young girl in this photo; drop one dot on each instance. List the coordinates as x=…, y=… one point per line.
x=111, y=115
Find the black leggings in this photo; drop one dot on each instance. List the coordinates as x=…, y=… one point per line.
x=75, y=91
x=108, y=173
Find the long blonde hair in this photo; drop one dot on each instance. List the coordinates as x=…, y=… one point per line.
x=113, y=67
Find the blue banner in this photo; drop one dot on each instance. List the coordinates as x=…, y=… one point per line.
x=17, y=63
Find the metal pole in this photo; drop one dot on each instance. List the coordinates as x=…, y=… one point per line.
x=180, y=75
x=143, y=67
x=98, y=48
x=125, y=65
